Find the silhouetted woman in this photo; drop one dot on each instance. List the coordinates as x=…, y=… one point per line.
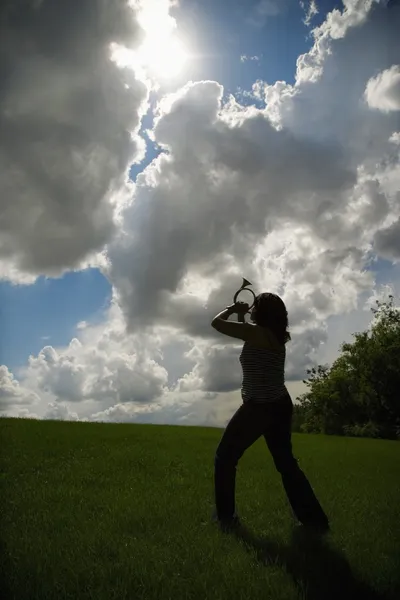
x=266, y=411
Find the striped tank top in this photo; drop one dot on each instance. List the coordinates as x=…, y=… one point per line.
x=263, y=373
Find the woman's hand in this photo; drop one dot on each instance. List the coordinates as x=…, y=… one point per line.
x=241, y=308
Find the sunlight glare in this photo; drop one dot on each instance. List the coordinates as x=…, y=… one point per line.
x=162, y=54
x=164, y=60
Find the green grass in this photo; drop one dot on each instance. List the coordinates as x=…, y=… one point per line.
x=109, y=511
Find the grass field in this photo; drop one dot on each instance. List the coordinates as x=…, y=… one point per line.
x=115, y=511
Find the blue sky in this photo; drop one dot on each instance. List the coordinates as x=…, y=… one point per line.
x=50, y=309
x=219, y=32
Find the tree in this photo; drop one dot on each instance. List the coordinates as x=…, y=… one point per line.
x=359, y=394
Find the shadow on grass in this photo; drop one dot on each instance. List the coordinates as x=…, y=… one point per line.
x=316, y=568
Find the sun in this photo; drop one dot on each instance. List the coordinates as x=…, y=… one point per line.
x=162, y=54
x=165, y=60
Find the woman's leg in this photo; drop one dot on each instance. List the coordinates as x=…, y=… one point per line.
x=244, y=428
x=298, y=489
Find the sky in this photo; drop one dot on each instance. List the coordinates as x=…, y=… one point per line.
x=153, y=154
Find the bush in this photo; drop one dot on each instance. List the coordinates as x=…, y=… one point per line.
x=369, y=429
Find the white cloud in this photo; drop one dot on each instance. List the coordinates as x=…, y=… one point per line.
x=184, y=409
x=395, y=138
x=244, y=57
x=264, y=10
x=101, y=368
x=311, y=11
x=12, y=394
x=24, y=413
x=383, y=91
x=107, y=375
x=60, y=412
x=327, y=101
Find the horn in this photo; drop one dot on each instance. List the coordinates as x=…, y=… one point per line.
x=245, y=283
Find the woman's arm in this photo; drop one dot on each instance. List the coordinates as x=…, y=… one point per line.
x=224, y=315
x=242, y=330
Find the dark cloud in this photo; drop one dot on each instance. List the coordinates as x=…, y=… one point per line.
x=387, y=241
x=66, y=117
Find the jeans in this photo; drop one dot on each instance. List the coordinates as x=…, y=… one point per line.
x=273, y=421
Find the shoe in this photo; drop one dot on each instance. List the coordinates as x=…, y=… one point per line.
x=226, y=525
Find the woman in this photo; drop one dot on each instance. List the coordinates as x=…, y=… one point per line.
x=266, y=411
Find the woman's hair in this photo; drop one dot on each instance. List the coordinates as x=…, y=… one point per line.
x=270, y=311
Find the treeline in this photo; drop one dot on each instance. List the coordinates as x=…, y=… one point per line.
x=359, y=395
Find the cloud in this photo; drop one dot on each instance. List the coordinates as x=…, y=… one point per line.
x=101, y=369
x=60, y=412
x=264, y=10
x=216, y=369
x=243, y=58
x=69, y=121
x=387, y=241
x=383, y=91
x=327, y=100
x=228, y=179
x=108, y=376
x=12, y=394
x=311, y=11
x=195, y=409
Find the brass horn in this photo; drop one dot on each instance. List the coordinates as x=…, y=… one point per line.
x=244, y=285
